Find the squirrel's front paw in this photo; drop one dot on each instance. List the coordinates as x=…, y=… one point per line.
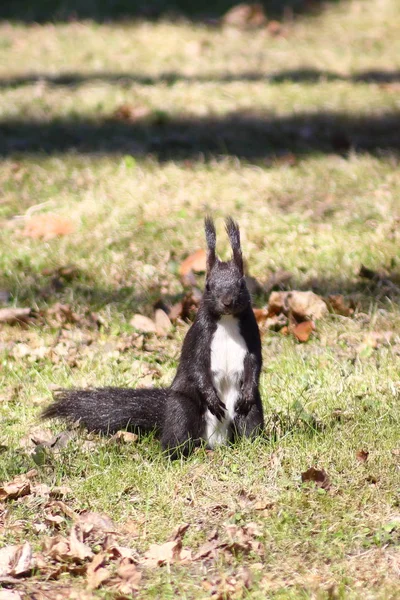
x=244, y=404
x=217, y=408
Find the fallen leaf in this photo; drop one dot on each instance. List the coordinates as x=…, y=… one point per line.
x=125, y=437
x=16, y=560
x=96, y=522
x=175, y=311
x=11, y=316
x=302, y=305
x=373, y=340
x=362, y=455
x=77, y=549
x=18, y=487
x=132, y=114
x=245, y=15
x=318, y=476
x=130, y=577
x=196, y=262
x=171, y=551
x=302, y=331
x=47, y=226
x=142, y=323
x=261, y=315
x=275, y=28
x=162, y=322
x=96, y=573
x=339, y=305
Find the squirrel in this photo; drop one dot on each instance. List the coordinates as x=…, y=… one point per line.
x=214, y=396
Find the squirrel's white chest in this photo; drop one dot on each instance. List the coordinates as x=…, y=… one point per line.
x=228, y=351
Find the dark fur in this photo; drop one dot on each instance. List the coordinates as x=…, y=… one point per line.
x=177, y=414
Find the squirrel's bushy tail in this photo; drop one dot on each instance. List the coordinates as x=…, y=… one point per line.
x=107, y=410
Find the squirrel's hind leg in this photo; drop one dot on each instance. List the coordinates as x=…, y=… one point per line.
x=183, y=425
x=251, y=424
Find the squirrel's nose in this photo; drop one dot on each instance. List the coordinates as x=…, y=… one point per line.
x=227, y=302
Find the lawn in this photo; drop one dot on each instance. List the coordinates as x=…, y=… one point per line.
x=130, y=131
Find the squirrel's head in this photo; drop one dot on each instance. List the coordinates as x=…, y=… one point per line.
x=225, y=291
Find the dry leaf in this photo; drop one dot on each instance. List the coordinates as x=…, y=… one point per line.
x=175, y=311
x=196, y=262
x=16, y=560
x=302, y=305
x=125, y=437
x=302, y=331
x=130, y=577
x=319, y=477
x=18, y=487
x=339, y=305
x=11, y=316
x=362, y=455
x=96, y=573
x=47, y=226
x=96, y=522
x=171, y=551
x=261, y=315
x=77, y=549
x=142, y=323
x=132, y=114
x=245, y=15
x=162, y=322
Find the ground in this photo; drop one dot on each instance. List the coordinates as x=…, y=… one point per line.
x=130, y=131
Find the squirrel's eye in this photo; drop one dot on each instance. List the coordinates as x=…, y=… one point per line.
x=207, y=286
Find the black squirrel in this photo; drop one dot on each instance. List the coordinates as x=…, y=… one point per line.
x=214, y=396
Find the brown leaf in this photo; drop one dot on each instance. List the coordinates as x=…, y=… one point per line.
x=16, y=560
x=130, y=577
x=302, y=305
x=171, y=551
x=245, y=15
x=78, y=550
x=261, y=315
x=339, y=305
x=302, y=331
x=47, y=226
x=162, y=322
x=56, y=547
x=175, y=311
x=132, y=114
x=142, y=323
x=11, y=316
x=196, y=262
x=97, y=522
x=362, y=455
x=96, y=573
x=124, y=437
x=275, y=28
x=319, y=477
x=18, y=487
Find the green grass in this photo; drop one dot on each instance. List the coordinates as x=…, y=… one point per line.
x=226, y=109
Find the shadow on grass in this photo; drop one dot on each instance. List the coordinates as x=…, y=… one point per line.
x=41, y=11
x=252, y=137
x=83, y=292
x=126, y=79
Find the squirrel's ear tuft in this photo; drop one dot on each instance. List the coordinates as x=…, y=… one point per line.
x=211, y=238
x=232, y=229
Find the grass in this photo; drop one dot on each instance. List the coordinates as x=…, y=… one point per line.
x=296, y=136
